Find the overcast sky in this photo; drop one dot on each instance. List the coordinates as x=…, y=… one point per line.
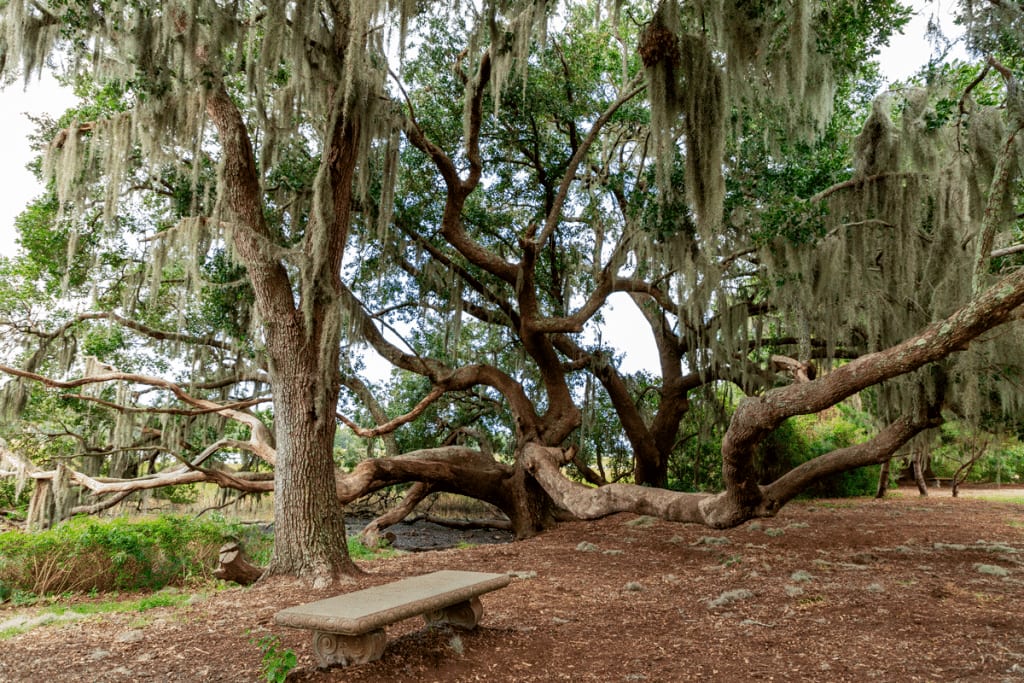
x=20, y=186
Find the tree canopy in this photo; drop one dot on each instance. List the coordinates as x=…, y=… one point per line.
x=252, y=197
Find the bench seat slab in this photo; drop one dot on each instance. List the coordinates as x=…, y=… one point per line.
x=373, y=608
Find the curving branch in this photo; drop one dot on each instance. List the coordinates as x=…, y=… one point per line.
x=397, y=422
x=155, y=410
x=629, y=91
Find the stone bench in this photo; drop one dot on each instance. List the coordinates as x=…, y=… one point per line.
x=349, y=629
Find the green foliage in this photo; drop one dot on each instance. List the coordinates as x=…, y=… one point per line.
x=803, y=438
x=257, y=542
x=103, y=342
x=277, y=661
x=696, y=462
x=358, y=551
x=10, y=498
x=998, y=458
x=85, y=554
x=183, y=494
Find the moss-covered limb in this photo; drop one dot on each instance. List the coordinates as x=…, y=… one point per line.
x=101, y=486
x=1006, y=169
x=755, y=417
x=45, y=338
x=242, y=194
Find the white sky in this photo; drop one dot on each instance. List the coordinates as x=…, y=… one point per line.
x=905, y=55
x=20, y=187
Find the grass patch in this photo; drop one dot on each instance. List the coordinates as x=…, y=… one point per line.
x=142, y=604
x=1015, y=499
x=358, y=551
x=59, y=613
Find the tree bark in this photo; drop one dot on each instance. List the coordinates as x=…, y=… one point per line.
x=309, y=526
x=883, y=479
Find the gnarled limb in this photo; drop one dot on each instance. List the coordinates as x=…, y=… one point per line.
x=370, y=535
x=593, y=503
x=454, y=468
x=722, y=510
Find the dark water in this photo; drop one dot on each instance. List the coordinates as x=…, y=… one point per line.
x=423, y=535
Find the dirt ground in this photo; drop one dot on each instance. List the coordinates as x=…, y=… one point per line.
x=903, y=589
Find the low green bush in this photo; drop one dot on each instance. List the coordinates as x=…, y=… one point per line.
x=86, y=554
x=803, y=438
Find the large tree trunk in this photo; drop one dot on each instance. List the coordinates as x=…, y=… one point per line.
x=302, y=341
x=309, y=525
x=533, y=511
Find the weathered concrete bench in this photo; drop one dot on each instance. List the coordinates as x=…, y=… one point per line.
x=349, y=629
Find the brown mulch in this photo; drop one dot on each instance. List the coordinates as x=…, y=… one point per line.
x=903, y=589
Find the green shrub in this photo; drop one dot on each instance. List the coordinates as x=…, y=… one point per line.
x=277, y=660
x=11, y=498
x=86, y=554
x=800, y=439
x=999, y=456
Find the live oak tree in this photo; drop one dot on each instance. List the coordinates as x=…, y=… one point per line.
x=289, y=102
x=722, y=314
x=246, y=85
x=538, y=174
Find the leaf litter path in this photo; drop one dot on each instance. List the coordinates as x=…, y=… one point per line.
x=903, y=589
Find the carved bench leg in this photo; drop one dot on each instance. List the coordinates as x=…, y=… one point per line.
x=465, y=614
x=335, y=649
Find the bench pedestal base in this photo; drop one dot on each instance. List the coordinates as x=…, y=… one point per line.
x=463, y=614
x=335, y=649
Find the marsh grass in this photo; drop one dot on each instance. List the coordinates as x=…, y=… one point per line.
x=86, y=554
